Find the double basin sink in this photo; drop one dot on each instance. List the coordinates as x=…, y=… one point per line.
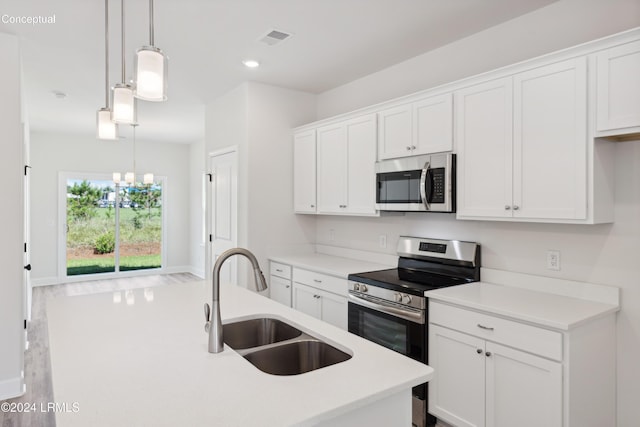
x=277, y=348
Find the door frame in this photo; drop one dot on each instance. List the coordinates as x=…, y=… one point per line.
x=209, y=262
x=63, y=176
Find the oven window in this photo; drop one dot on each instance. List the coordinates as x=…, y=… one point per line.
x=384, y=332
x=399, y=187
x=392, y=332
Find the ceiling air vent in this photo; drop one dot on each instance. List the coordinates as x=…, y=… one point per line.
x=273, y=37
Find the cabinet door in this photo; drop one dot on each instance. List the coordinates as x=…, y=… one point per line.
x=307, y=300
x=334, y=310
x=361, y=155
x=280, y=290
x=618, y=87
x=484, y=118
x=433, y=124
x=304, y=172
x=522, y=390
x=550, y=141
x=395, y=132
x=456, y=392
x=332, y=168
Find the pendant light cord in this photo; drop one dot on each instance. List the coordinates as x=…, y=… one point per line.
x=122, y=23
x=106, y=53
x=151, y=23
x=134, y=154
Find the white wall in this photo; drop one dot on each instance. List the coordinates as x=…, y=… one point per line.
x=196, y=171
x=560, y=25
x=11, y=216
x=605, y=254
x=54, y=153
x=258, y=119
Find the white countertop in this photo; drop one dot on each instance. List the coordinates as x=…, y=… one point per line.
x=147, y=364
x=541, y=308
x=329, y=264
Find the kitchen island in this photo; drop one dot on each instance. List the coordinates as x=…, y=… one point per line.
x=140, y=358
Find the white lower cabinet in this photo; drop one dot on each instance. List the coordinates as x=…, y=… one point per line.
x=482, y=383
x=497, y=372
x=321, y=296
x=280, y=282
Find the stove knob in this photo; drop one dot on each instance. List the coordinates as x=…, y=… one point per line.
x=363, y=288
x=397, y=297
x=356, y=286
x=406, y=299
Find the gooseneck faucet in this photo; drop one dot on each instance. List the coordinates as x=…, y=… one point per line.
x=212, y=314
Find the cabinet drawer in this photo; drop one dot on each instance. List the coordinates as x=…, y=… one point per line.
x=529, y=338
x=280, y=270
x=321, y=281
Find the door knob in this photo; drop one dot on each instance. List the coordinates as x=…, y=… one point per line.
x=27, y=267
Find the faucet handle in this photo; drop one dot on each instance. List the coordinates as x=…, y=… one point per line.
x=207, y=317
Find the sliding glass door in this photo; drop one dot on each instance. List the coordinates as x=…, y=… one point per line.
x=111, y=228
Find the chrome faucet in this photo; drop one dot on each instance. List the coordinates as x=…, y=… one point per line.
x=214, y=322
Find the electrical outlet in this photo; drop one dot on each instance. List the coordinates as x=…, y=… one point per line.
x=382, y=240
x=553, y=260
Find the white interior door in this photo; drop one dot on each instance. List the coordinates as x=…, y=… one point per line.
x=27, y=224
x=223, y=168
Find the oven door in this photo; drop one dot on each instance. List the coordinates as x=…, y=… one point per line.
x=381, y=323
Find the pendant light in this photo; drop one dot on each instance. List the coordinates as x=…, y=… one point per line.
x=130, y=177
x=124, y=103
x=106, y=129
x=151, y=68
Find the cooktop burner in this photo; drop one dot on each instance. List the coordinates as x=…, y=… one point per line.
x=427, y=264
x=407, y=281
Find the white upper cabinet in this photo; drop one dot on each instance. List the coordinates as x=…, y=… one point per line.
x=522, y=145
x=618, y=90
x=550, y=141
x=422, y=127
x=346, y=155
x=484, y=117
x=304, y=172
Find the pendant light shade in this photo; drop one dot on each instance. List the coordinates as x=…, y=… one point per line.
x=117, y=178
x=124, y=101
x=105, y=127
x=151, y=68
x=124, y=104
x=148, y=179
x=130, y=178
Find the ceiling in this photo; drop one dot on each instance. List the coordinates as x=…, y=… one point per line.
x=334, y=42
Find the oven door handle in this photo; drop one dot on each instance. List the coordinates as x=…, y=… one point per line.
x=424, y=182
x=415, y=316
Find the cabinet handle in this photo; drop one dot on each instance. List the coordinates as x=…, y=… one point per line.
x=317, y=281
x=488, y=354
x=278, y=270
x=313, y=206
x=408, y=148
x=316, y=296
x=413, y=147
x=479, y=351
x=507, y=207
x=516, y=207
x=287, y=286
x=486, y=328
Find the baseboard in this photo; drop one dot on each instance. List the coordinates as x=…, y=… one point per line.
x=11, y=388
x=197, y=272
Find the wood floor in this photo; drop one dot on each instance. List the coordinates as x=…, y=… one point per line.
x=37, y=361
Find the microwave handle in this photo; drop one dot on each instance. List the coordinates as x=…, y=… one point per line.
x=424, y=182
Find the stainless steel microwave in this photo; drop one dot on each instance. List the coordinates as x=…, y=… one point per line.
x=417, y=184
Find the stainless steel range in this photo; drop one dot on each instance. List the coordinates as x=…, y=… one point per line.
x=388, y=307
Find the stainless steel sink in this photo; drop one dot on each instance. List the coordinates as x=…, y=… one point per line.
x=257, y=332
x=277, y=348
x=296, y=357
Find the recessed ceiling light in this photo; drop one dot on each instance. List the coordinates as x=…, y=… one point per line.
x=59, y=94
x=251, y=63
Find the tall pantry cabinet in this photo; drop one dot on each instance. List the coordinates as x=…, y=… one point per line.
x=12, y=293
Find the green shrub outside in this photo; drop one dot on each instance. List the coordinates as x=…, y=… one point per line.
x=105, y=243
